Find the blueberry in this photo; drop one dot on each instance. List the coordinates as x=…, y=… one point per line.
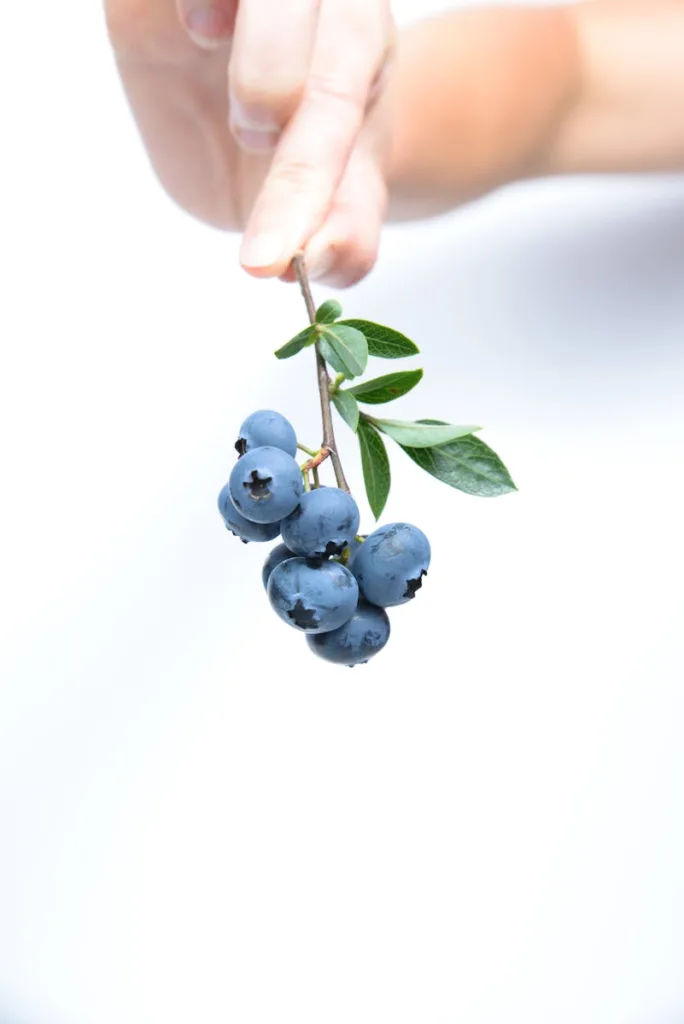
x=313, y=596
x=324, y=523
x=357, y=640
x=266, y=427
x=266, y=485
x=280, y=553
x=241, y=527
x=391, y=563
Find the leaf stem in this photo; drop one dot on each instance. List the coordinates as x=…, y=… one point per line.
x=335, y=385
x=329, y=445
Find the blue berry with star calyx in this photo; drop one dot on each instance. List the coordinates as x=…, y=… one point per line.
x=266, y=428
x=324, y=523
x=355, y=642
x=313, y=596
x=266, y=485
x=239, y=526
x=280, y=553
x=391, y=563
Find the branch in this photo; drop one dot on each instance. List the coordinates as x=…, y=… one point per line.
x=329, y=444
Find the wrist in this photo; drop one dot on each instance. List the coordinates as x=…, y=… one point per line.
x=476, y=100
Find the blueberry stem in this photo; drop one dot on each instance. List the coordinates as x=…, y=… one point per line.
x=307, y=451
x=318, y=457
x=329, y=445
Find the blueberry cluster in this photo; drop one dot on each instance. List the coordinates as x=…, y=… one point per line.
x=323, y=579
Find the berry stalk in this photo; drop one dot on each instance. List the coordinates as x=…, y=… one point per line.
x=329, y=445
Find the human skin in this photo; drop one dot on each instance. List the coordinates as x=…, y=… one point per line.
x=305, y=125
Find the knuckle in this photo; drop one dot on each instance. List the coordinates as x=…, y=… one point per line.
x=336, y=89
x=297, y=176
x=261, y=92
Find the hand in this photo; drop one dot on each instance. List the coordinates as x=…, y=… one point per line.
x=268, y=116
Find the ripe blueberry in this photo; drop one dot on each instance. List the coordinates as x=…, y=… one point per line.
x=280, y=553
x=324, y=523
x=313, y=596
x=266, y=427
x=241, y=527
x=266, y=485
x=357, y=640
x=391, y=563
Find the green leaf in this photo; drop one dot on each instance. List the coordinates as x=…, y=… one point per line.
x=467, y=464
x=348, y=346
x=421, y=434
x=331, y=358
x=376, y=467
x=387, y=388
x=296, y=344
x=348, y=408
x=383, y=342
x=328, y=312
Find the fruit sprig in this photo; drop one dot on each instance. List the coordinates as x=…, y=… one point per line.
x=452, y=454
x=325, y=579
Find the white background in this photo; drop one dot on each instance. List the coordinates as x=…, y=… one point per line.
x=198, y=821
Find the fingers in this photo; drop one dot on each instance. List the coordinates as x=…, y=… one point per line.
x=145, y=30
x=345, y=249
x=268, y=68
x=209, y=23
x=311, y=158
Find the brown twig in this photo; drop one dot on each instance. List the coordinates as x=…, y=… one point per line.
x=328, y=447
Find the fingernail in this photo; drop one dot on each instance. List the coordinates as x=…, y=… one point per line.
x=255, y=128
x=261, y=251
x=207, y=26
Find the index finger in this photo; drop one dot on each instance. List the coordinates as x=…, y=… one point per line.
x=351, y=45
